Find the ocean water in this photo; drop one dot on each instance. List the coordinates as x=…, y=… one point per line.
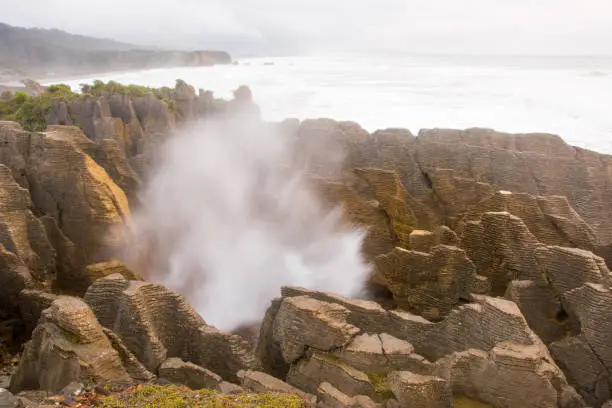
x=569, y=96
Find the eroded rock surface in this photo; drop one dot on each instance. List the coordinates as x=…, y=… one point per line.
x=492, y=245
x=67, y=345
x=166, y=327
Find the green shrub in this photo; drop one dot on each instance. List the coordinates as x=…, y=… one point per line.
x=32, y=111
x=60, y=89
x=32, y=114
x=381, y=385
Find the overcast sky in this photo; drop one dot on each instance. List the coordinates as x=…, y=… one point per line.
x=298, y=26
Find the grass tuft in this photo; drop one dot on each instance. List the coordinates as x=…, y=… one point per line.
x=173, y=396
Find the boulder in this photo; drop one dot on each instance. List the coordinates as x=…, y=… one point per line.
x=193, y=376
x=229, y=388
x=259, y=382
x=420, y=391
x=368, y=316
x=382, y=353
x=8, y=400
x=303, y=322
x=67, y=345
x=329, y=396
x=308, y=373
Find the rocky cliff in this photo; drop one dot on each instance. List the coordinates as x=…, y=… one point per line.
x=32, y=52
x=490, y=257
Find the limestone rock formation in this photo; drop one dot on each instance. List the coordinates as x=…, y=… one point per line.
x=479, y=325
x=268, y=354
x=419, y=391
x=67, y=345
x=21, y=232
x=431, y=284
x=308, y=373
x=432, y=355
x=582, y=283
x=304, y=321
x=167, y=327
x=261, y=382
x=501, y=247
x=330, y=397
x=14, y=278
x=381, y=353
x=540, y=164
x=104, y=269
x=493, y=248
x=133, y=367
x=66, y=184
x=193, y=376
x=31, y=305
x=510, y=375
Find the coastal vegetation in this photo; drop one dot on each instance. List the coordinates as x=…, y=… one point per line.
x=32, y=110
x=174, y=396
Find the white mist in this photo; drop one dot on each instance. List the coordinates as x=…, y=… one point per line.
x=228, y=219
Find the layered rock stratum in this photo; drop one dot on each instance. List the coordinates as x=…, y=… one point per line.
x=490, y=257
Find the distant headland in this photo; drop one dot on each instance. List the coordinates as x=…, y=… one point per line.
x=38, y=53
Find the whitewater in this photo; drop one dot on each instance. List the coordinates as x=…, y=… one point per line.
x=568, y=96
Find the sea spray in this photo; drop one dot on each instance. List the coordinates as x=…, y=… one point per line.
x=228, y=217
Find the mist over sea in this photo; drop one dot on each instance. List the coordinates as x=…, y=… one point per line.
x=569, y=96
